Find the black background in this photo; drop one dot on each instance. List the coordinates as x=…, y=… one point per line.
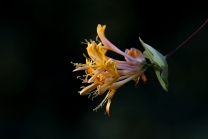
x=38, y=91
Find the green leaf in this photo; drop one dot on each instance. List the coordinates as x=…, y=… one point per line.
x=160, y=64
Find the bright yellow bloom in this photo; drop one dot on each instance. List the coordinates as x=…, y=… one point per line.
x=106, y=74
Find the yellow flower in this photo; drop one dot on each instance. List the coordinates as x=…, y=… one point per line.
x=105, y=74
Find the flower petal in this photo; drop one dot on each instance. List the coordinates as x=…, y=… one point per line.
x=103, y=88
x=95, y=75
x=88, y=89
x=144, y=78
x=108, y=44
x=111, y=94
x=135, y=53
x=118, y=84
x=111, y=67
x=108, y=107
x=96, y=52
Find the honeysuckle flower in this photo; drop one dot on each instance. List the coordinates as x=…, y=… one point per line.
x=105, y=74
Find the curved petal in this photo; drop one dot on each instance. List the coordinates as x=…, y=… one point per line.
x=135, y=53
x=111, y=94
x=118, y=84
x=88, y=89
x=96, y=52
x=108, y=44
x=108, y=107
x=110, y=66
x=103, y=88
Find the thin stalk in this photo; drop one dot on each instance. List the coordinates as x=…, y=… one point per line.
x=177, y=48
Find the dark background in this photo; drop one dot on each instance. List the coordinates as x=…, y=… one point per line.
x=38, y=91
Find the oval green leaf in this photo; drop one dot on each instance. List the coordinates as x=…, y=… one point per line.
x=160, y=64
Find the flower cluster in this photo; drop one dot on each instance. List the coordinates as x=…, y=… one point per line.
x=105, y=74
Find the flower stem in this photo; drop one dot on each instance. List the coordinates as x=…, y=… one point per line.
x=168, y=55
x=146, y=65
